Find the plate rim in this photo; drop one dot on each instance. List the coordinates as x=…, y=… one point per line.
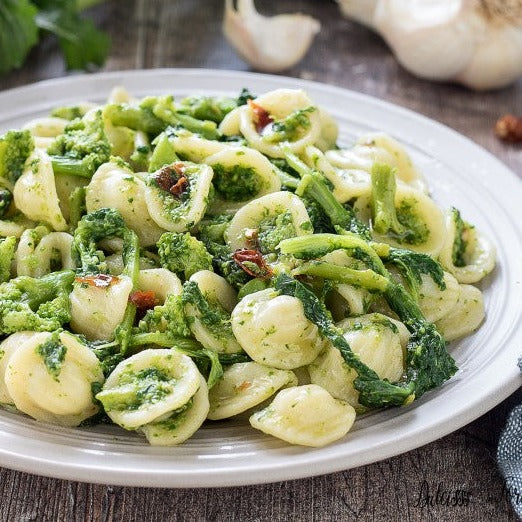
x=214, y=477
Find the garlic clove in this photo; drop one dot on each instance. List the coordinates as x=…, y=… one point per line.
x=500, y=54
x=361, y=11
x=269, y=44
x=429, y=38
x=475, y=42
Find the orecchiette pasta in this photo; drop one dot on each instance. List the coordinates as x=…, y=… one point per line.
x=181, y=424
x=245, y=385
x=97, y=311
x=36, y=249
x=274, y=330
x=149, y=387
x=241, y=175
x=180, y=213
x=51, y=378
x=274, y=217
x=281, y=104
x=117, y=187
x=222, y=298
x=418, y=213
x=377, y=340
x=465, y=317
x=35, y=192
x=479, y=254
x=306, y=415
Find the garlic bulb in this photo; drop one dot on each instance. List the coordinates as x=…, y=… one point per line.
x=269, y=44
x=474, y=42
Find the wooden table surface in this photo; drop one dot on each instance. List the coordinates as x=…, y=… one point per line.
x=185, y=33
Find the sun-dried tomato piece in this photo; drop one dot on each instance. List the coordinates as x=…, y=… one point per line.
x=262, y=117
x=171, y=178
x=144, y=300
x=509, y=128
x=253, y=263
x=164, y=178
x=98, y=280
x=179, y=187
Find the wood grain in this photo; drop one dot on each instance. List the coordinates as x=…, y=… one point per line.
x=187, y=33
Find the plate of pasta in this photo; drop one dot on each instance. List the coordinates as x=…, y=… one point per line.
x=214, y=278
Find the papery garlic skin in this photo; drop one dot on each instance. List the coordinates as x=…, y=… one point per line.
x=474, y=42
x=269, y=44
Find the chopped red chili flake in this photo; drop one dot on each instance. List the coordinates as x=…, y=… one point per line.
x=99, y=280
x=172, y=178
x=143, y=300
x=253, y=263
x=262, y=117
x=244, y=386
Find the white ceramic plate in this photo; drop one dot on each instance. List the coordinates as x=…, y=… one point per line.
x=459, y=173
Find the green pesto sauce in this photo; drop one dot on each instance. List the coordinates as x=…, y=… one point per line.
x=417, y=232
x=53, y=354
x=273, y=229
x=149, y=386
x=177, y=418
x=238, y=183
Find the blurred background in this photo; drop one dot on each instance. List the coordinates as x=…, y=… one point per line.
x=188, y=33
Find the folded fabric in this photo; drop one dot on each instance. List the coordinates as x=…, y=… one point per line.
x=509, y=456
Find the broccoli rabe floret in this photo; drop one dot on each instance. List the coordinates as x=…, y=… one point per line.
x=94, y=227
x=15, y=148
x=155, y=114
x=399, y=223
x=211, y=108
x=237, y=183
x=314, y=185
x=183, y=253
x=211, y=233
x=33, y=304
x=71, y=112
x=6, y=197
x=167, y=318
x=163, y=153
x=7, y=252
x=244, y=96
x=82, y=148
x=290, y=127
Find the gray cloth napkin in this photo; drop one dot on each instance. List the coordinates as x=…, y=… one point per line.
x=509, y=456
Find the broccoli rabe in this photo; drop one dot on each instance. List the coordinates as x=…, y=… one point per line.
x=6, y=197
x=71, y=112
x=163, y=153
x=183, y=253
x=244, y=96
x=155, y=114
x=15, y=148
x=314, y=185
x=290, y=128
x=167, y=318
x=460, y=243
x=428, y=364
x=237, y=183
x=211, y=108
x=211, y=233
x=400, y=223
x=33, y=304
x=98, y=225
x=7, y=253
x=82, y=148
